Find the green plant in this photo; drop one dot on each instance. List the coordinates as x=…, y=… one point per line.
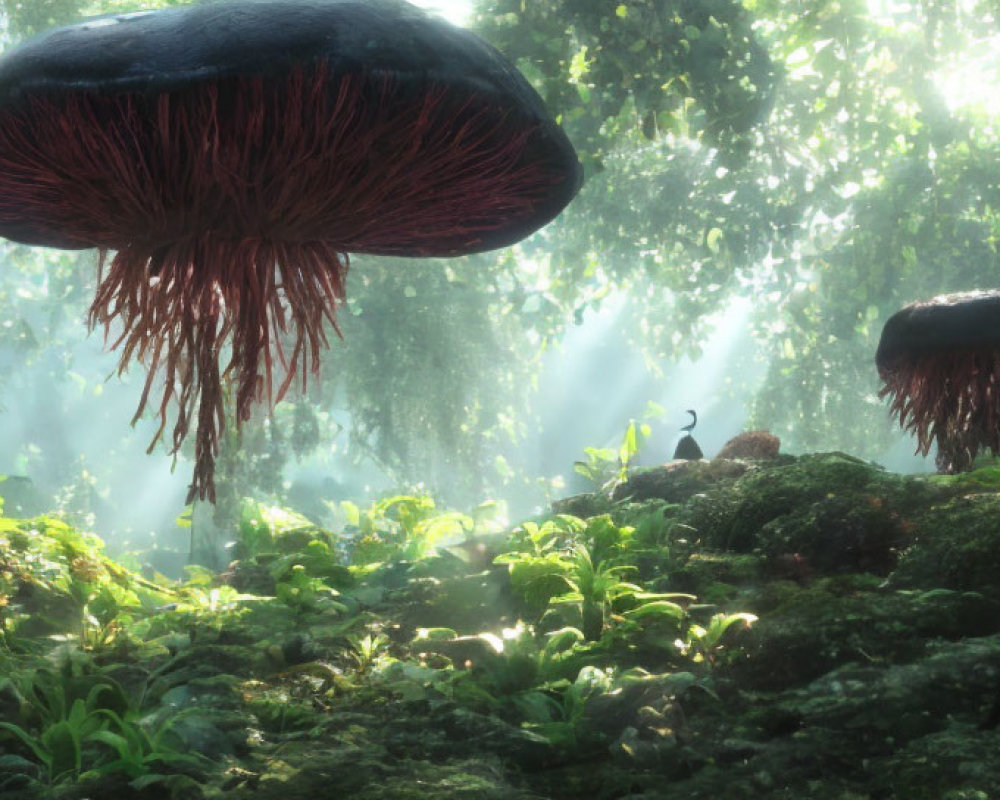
x=538, y=562
x=139, y=753
x=302, y=592
x=607, y=541
x=656, y=625
x=408, y=527
x=706, y=643
x=557, y=711
x=593, y=591
x=601, y=466
x=606, y=467
x=587, y=557
x=69, y=714
x=55, y=579
x=365, y=650
x=657, y=545
x=559, y=653
x=267, y=529
x=58, y=746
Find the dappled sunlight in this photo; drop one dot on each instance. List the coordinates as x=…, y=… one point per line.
x=972, y=80
x=457, y=12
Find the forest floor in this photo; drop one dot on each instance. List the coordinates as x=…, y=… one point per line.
x=797, y=627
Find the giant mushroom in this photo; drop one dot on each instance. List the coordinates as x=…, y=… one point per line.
x=231, y=155
x=939, y=361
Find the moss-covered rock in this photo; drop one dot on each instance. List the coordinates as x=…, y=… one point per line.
x=677, y=481
x=790, y=497
x=804, y=632
x=955, y=545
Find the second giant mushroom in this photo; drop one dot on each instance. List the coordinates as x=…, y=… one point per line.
x=232, y=154
x=939, y=361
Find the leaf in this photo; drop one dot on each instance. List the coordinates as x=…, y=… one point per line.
x=351, y=513
x=115, y=741
x=537, y=707
x=657, y=609
x=664, y=596
x=720, y=623
x=561, y=640
x=36, y=746
x=713, y=239
x=435, y=634
x=11, y=764
x=630, y=444
x=62, y=741
x=184, y=518
x=578, y=65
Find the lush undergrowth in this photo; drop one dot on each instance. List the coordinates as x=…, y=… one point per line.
x=797, y=627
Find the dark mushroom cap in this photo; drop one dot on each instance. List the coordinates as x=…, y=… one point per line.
x=964, y=320
x=395, y=54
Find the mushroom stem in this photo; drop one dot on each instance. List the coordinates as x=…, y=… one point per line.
x=271, y=300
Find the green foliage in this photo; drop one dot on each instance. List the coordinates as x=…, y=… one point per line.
x=606, y=468
x=538, y=562
x=303, y=593
x=574, y=569
x=955, y=547
x=142, y=756
x=658, y=538
x=56, y=579
x=269, y=529
x=67, y=715
x=410, y=527
x=601, y=466
x=58, y=747
x=707, y=642
x=558, y=712
x=642, y=68
x=365, y=650
x=552, y=664
x=593, y=590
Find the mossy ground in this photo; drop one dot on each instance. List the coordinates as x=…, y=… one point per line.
x=871, y=671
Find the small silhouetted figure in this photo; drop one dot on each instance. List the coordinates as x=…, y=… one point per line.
x=687, y=448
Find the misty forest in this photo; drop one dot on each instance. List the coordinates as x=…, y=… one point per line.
x=608, y=479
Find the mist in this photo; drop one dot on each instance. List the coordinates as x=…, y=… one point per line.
x=66, y=413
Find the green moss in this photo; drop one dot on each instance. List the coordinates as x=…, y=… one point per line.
x=790, y=496
x=838, y=533
x=804, y=632
x=717, y=573
x=956, y=547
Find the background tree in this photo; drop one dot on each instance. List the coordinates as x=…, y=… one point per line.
x=823, y=159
